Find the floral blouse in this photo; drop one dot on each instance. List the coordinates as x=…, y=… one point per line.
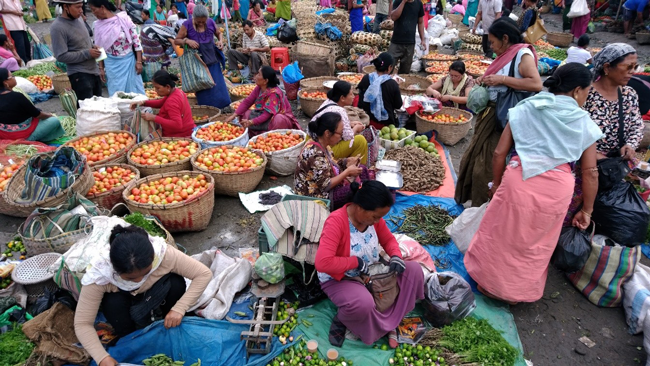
x=605, y=114
x=364, y=245
x=122, y=47
x=314, y=172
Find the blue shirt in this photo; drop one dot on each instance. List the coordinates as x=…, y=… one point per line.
x=149, y=21
x=637, y=5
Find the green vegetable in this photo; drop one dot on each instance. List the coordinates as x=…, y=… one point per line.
x=15, y=348
x=41, y=69
x=21, y=151
x=148, y=225
x=557, y=54
x=240, y=313
x=425, y=224
x=69, y=125
x=164, y=360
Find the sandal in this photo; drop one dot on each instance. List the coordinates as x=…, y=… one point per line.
x=392, y=339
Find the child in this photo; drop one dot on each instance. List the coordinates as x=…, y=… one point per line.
x=580, y=54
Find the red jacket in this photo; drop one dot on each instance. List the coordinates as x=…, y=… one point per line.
x=333, y=255
x=175, y=114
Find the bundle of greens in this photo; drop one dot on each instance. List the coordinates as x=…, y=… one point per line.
x=15, y=348
x=149, y=225
x=41, y=69
x=164, y=360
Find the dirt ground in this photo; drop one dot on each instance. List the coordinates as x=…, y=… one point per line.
x=549, y=329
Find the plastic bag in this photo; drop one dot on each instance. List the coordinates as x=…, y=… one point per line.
x=622, y=215
x=578, y=9
x=270, y=267
x=477, y=99
x=287, y=34
x=134, y=10
x=572, y=250
x=636, y=300
x=98, y=114
x=448, y=298
x=591, y=27
x=26, y=85
x=464, y=227
x=291, y=74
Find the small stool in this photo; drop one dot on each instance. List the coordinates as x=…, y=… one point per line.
x=279, y=58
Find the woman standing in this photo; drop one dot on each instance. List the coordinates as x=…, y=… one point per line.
x=356, y=15
x=42, y=10
x=379, y=94
x=159, y=16
x=155, y=40
x=271, y=108
x=352, y=238
x=510, y=253
x=256, y=15
x=182, y=8
x=529, y=17
x=283, y=9
x=579, y=24
x=453, y=89
x=352, y=144
x=198, y=33
x=475, y=169
x=119, y=37
x=9, y=58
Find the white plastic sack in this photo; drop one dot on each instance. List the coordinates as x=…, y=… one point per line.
x=98, y=114
x=448, y=36
x=124, y=105
x=419, y=52
x=26, y=85
x=463, y=229
x=636, y=300
x=435, y=42
x=229, y=276
x=416, y=66
x=578, y=9
x=435, y=26
x=33, y=63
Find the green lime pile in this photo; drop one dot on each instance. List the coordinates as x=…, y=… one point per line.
x=423, y=143
x=286, y=310
x=15, y=246
x=407, y=354
x=393, y=133
x=298, y=355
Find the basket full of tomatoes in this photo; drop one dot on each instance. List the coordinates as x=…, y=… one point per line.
x=282, y=149
x=110, y=181
x=220, y=133
x=165, y=155
x=311, y=100
x=104, y=147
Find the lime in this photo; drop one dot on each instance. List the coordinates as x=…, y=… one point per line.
x=431, y=148
x=424, y=144
x=393, y=135
x=401, y=135
x=408, y=142
x=385, y=130
x=384, y=347
x=391, y=126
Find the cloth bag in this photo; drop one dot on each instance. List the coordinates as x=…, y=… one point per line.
x=607, y=269
x=143, y=130
x=465, y=226
x=535, y=32
x=573, y=248
x=382, y=286
x=48, y=222
x=636, y=300
x=195, y=73
x=508, y=99
x=578, y=9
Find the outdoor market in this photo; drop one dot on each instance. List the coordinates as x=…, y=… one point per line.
x=280, y=182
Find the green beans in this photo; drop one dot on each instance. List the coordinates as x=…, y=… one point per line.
x=163, y=360
x=425, y=224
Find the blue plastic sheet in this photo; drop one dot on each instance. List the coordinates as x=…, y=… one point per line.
x=215, y=342
x=273, y=30
x=40, y=97
x=645, y=249
x=550, y=61
x=328, y=30
x=325, y=11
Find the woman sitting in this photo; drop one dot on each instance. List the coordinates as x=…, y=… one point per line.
x=379, y=94
x=509, y=255
x=318, y=174
x=256, y=15
x=21, y=120
x=352, y=144
x=351, y=241
x=271, y=111
x=579, y=54
x=9, y=58
x=453, y=89
x=175, y=115
x=135, y=268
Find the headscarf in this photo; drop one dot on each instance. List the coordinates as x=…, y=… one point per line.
x=107, y=31
x=608, y=54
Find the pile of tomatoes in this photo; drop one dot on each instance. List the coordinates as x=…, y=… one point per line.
x=444, y=118
x=243, y=90
x=219, y=131
x=163, y=152
x=110, y=177
x=6, y=174
x=274, y=141
x=42, y=82
x=439, y=57
x=228, y=159
x=170, y=190
x=100, y=147
x=353, y=79
x=438, y=67
x=313, y=95
x=476, y=67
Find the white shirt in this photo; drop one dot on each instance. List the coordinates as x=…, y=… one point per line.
x=494, y=90
x=577, y=54
x=489, y=10
x=12, y=22
x=171, y=21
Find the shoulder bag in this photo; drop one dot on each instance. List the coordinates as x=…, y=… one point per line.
x=382, y=286
x=613, y=169
x=536, y=31
x=508, y=99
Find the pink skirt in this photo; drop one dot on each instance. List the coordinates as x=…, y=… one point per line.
x=511, y=251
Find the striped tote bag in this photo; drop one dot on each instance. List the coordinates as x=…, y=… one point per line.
x=607, y=269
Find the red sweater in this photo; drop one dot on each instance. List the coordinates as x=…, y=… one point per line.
x=333, y=255
x=175, y=115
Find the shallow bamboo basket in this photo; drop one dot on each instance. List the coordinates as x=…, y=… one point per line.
x=204, y=110
x=61, y=82
x=147, y=170
x=118, y=158
x=309, y=106
x=113, y=196
x=409, y=80
x=448, y=133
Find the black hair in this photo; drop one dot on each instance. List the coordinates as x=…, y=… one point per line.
x=181, y=15
x=458, y=66
x=247, y=23
x=383, y=62
x=3, y=39
x=173, y=6
x=340, y=89
x=130, y=250
x=583, y=41
x=162, y=77
x=145, y=13
x=258, y=3
x=568, y=77
x=371, y=195
x=4, y=76
x=506, y=27
x=105, y=3
x=269, y=74
x=326, y=122
x=459, y=2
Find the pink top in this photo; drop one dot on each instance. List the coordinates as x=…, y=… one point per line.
x=5, y=53
x=235, y=5
x=458, y=9
x=190, y=8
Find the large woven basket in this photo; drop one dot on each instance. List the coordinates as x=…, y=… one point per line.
x=34, y=274
x=369, y=69
x=309, y=106
x=312, y=48
x=204, y=110
x=14, y=189
x=448, y=133
x=559, y=39
x=118, y=158
x=113, y=196
x=316, y=83
x=147, y=170
x=235, y=97
x=411, y=80
x=643, y=37
x=193, y=215
x=231, y=184
x=192, y=100
x=455, y=19
x=469, y=37
x=282, y=162
x=58, y=242
x=61, y=82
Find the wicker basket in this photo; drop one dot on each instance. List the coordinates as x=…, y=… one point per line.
x=455, y=19
x=205, y=110
x=468, y=37
x=61, y=82
x=34, y=274
x=309, y=106
x=282, y=162
x=234, y=97
x=193, y=215
x=112, y=197
x=231, y=184
x=316, y=83
x=409, y=80
x=369, y=69
x=448, y=133
x=14, y=189
x=118, y=158
x=312, y=48
x=147, y=170
x=58, y=242
x=559, y=39
x=643, y=37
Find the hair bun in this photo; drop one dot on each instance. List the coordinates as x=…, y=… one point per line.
x=552, y=82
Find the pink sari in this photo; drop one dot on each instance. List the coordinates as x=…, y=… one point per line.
x=579, y=25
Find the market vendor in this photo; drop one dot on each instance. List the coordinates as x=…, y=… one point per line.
x=352, y=239
x=379, y=94
x=20, y=118
x=318, y=174
x=271, y=111
x=352, y=143
x=453, y=89
x=121, y=284
x=9, y=59
x=255, y=45
x=529, y=17
x=256, y=15
x=175, y=115
x=632, y=14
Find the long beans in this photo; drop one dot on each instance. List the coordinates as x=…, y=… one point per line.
x=426, y=224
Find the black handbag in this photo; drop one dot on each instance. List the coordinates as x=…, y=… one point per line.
x=145, y=308
x=508, y=99
x=613, y=169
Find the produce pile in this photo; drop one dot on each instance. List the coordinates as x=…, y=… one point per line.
x=476, y=67
x=7, y=172
x=41, y=69
x=100, y=147
x=15, y=348
x=148, y=225
x=151, y=94
x=163, y=360
x=313, y=94
x=557, y=54
x=69, y=125
x=15, y=246
x=270, y=198
x=243, y=90
x=438, y=67
x=299, y=355
x=170, y=190
x=439, y=57
x=352, y=79
x=229, y=159
x=200, y=118
x=42, y=82
x=422, y=171
x=286, y=311
x=425, y=224
x=110, y=177
x=274, y=141
x=444, y=118
x=393, y=133
x=424, y=144
x=435, y=77
x=219, y=131
x=164, y=152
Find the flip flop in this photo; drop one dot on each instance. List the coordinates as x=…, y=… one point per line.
x=392, y=339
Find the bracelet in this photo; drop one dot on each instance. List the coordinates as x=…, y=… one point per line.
x=585, y=212
x=504, y=80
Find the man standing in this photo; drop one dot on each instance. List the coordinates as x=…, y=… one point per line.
x=12, y=14
x=71, y=44
x=254, y=47
x=632, y=13
x=407, y=15
x=381, y=13
x=488, y=12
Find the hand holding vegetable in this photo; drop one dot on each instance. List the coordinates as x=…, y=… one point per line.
x=108, y=361
x=173, y=319
x=135, y=105
x=397, y=264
